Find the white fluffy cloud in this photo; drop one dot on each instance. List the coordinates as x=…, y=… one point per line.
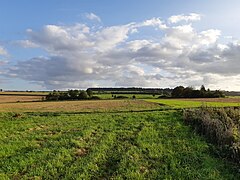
x=80, y=56
x=182, y=17
x=93, y=16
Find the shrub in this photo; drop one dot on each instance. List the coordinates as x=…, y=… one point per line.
x=95, y=98
x=221, y=126
x=120, y=97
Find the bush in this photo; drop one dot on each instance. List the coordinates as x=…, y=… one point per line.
x=120, y=97
x=221, y=126
x=95, y=98
x=69, y=95
x=163, y=96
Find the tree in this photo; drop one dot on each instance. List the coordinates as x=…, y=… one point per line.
x=89, y=92
x=177, y=91
x=73, y=94
x=203, y=89
x=83, y=95
x=187, y=92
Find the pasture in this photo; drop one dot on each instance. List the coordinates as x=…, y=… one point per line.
x=107, y=139
x=152, y=145
x=190, y=103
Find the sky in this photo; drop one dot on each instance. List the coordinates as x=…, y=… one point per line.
x=76, y=44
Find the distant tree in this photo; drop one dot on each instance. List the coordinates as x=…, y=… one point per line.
x=54, y=96
x=64, y=96
x=83, y=95
x=134, y=97
x=187, y=92
x=177, y=91
x=218, y=93
x=73, y=94
x=203, y=89
x=89, y=92
x=196, y=94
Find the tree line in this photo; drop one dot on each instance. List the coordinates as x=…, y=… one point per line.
x=70, y=95
x=177, y=92
x=189, y=92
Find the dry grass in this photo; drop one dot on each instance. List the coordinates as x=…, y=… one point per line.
x=78, y=106
x=220, y=126
x=24, y=93
x=11, y=98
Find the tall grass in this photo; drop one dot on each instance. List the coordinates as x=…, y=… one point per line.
x=221, y=126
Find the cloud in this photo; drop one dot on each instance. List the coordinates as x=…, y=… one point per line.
x=92, y=16
x=3, y=51
x=182, y=17
x=26, y=44
x=80, y=56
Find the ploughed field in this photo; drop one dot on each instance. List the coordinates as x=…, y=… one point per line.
x=107, y=139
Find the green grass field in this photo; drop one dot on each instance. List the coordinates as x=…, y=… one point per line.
x=138, y=96
x=107, y=139
x=143, y=145
x=178, y=103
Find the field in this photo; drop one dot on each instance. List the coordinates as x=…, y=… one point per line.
x=79, y=106
x=154, y=145
x=189, y=103
x=138, y=96
x=107, y=139
x=13, y=97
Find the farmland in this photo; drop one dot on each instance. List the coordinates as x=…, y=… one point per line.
x=189, y=103
x=79, y=106
x=107, y=139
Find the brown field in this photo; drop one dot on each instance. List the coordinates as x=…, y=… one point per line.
x=224, y=100
x=18, y=98
x=23, y=93
x=79, y=106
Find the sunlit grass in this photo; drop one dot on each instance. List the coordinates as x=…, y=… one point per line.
x=178, y=103
x=150, y=145
x=137, y=96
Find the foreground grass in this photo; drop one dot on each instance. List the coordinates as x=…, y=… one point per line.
x=179, y=103
x=139, y=145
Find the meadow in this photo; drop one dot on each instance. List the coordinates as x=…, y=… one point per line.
x=137, y=96
x=190, y=103
x=107, y=139
x=153, y=145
